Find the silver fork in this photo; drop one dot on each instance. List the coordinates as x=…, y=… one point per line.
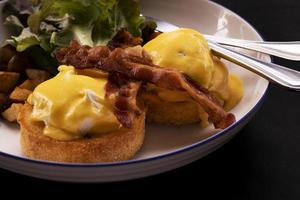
x=280, y=75
x=287, y=50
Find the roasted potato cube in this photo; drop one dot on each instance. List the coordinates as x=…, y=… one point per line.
x=19, y=95
x=6, y=53
x=11, y=114
x=3, y=101
x=37, y=76
x=28, y=85
x=8, y=80
x=19, y=63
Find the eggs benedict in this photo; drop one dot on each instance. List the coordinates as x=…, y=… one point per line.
x=72, y=105
x=187, y=51
x=70, y=118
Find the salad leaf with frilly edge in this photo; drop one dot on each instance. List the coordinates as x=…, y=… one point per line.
x=54, y=23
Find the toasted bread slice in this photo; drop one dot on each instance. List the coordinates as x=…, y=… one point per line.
x=173, y=113
x=110, y=147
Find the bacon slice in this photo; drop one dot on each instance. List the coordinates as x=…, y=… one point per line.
x=123, y=91
x=135, y=63
x=124, y=39
x=81, y=54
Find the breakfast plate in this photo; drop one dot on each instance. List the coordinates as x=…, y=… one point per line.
x=165, y=147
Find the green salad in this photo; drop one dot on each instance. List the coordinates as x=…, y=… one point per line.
x=40, y=27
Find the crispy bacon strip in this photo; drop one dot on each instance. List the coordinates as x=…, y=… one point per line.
x=123, y=91
x=136, y=64
x=124, y=39
x=81, y=54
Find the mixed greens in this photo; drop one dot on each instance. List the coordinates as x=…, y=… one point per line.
x=40, y=27
x=53, y=24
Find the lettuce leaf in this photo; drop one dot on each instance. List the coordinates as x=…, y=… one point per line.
x=26, y=40
x=55, y=23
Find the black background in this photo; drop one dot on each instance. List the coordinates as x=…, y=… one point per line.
x=261, y=162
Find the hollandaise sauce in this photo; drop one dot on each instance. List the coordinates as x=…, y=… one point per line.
x=185, y=50
x=72, y=106
x=188, y=51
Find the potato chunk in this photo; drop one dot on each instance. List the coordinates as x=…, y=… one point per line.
x=6, y=53
x=8, y=80
x=19, y=95
x=11, y=114
x=37, y=76
x=19, y=63
x=28, y=85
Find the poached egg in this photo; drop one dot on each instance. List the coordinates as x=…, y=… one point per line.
x=73, y=105
x=188, y=51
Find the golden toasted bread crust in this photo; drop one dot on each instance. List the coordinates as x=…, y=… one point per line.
x=173, y=113
x=111, y=147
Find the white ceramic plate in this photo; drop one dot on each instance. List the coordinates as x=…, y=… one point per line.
x=165, y=148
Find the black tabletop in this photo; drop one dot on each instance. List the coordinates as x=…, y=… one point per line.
x=261, y=162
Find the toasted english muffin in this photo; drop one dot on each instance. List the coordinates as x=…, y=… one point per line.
x=172, y=113
x=110, y=147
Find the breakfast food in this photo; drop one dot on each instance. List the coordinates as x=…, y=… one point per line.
x=135, y=63
x=66, y=123
x=18, y=79
x=72, y=118
x=107, y=121
x=81, y=84
x=187, y=51
x=110, y=147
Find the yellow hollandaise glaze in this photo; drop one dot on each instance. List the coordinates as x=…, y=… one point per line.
x=72, y=105
x=185, y=50
x=188, y=51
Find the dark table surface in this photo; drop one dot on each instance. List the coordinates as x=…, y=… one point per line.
x=261, y=162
